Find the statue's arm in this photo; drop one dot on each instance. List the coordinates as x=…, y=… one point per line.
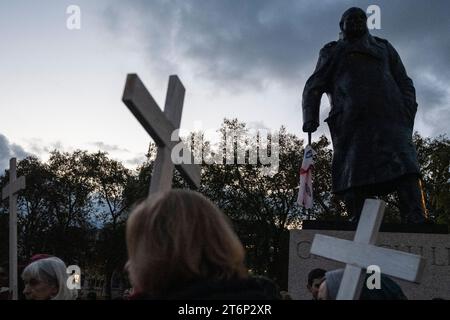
x=314, y=88
x=403, y=81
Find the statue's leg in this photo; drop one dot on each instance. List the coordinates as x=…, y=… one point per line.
x=354, y=202
x=410, y=199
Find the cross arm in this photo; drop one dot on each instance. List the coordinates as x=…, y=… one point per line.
x=13, y=188
x=398, y=264
x=140, y=102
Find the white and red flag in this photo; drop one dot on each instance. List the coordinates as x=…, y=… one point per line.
x=305, y=192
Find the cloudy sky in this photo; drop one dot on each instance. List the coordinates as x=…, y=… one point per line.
x=248, y=59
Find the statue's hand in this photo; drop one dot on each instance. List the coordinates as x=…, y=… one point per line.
x=310, y=126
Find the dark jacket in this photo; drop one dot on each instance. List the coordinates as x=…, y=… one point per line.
x=389, y=290
x=237, y=289
x=373, y=105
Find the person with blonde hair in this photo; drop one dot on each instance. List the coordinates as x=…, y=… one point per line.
x=45, y=278
x=181, y=246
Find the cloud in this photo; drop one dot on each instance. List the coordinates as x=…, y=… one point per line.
x=9, y=150
x=128, y=158
x=108, y=147
x=245, y=45
x=257, y=125
x=433, y=96
x=241, y=42
x=42, y=149
x=39, y=148
x=136, y=161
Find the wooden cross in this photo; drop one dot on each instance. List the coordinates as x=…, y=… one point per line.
x=10, y=191
x=161, y=126
x=362, y=252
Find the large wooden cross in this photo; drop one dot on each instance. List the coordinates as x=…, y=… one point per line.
x=161, y=127
x=10, y=191
x=362, y=252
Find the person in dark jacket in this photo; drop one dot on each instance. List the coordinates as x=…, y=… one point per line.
x=373, y=106
x=182, y=247
x=389, y=289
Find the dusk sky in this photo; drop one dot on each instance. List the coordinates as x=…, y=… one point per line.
x=245, y=59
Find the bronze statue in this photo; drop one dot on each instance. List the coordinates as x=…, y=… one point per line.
x=373, y=105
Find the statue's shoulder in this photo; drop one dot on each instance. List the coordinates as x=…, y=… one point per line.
x=328, y=48
x=329, y=45
x=382, y=41
x=386, y=44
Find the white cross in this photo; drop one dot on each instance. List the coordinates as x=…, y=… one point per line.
x=362, y=252
x=10, y=191
x=161, y=126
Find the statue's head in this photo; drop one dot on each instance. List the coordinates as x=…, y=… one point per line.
x=354, y=23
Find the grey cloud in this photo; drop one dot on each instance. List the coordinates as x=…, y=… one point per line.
x=240, y=42
x=257, y=125
x=136, y=161
x=39, y=148
x=9, y=150
x=35, y=148
x=240, y=45
x=431, y=95
x=433, y=107
x=109, y=147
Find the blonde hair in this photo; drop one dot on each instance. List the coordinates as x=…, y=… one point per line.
x=179, y=236
x=51, y=270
